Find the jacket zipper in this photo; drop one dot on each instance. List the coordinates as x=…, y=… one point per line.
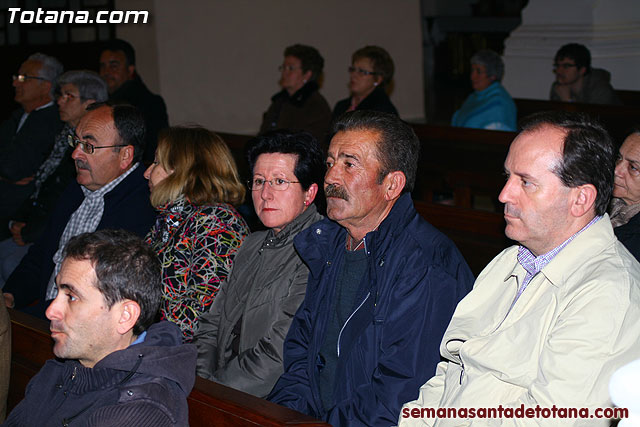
x=350, y=316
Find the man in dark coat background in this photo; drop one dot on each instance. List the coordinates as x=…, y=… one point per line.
x=118, y=69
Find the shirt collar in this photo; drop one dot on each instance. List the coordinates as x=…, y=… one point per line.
x=110, y=186
x=533, y=264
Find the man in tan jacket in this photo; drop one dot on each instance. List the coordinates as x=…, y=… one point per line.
x=548, y=320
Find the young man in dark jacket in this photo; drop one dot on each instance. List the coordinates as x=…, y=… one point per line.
x=382, y=287
x=116, y=367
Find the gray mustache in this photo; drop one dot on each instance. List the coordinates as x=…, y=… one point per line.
x=81, y=164
x=332, y=190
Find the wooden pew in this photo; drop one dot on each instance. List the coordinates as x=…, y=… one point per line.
x=617, y=119
x=465, y=162
x=478, y=235
x=629, y=97
x=210, y=404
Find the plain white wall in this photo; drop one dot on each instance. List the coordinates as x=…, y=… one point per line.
x=217, y=60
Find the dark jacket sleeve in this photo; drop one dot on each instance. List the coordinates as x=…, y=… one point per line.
x=21, y=154
x=138, y=413
x=27, y=281
x=293, y=388
x=35, y=214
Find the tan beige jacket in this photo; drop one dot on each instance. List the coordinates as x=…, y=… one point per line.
x=574, y=325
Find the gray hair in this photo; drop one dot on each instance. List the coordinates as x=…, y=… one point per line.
x=491, y=61
x=89, y=84
x=50, y=68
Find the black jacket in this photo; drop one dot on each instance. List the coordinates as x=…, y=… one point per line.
x=151, y=106
x=146, y=384
x=629, y=235
x=378, y=100
x=127, y=206
x=304, y=110
x=22, y=153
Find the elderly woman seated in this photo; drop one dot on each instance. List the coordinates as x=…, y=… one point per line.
x=489, y=106
x=625, y=204
x=240, y=340
x=194, y=183
x=370, y=73
x=299, y=104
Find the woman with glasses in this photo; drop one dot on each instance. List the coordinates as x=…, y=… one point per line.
x=240, y=340
x=194, y=184
x=370, y=73
x=299, y=105
x=489, y=106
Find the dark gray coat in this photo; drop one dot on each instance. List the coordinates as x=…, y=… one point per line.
x=266, y=286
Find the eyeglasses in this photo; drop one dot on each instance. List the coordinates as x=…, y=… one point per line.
x=277, y=184
x=22, y=77
x=564, y=66
x=288, y=67
x=362, y=72
x=87, y=147
x=67, y=96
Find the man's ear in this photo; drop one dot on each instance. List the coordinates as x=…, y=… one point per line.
x=131, y=71
x=584, y=199
x=582, y=71
x=393, y=185
x=126, y=156
x=129, y=313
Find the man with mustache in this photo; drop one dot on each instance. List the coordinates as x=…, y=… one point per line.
x=114, y=366
x=383, y=283
x=27, y=136
x=110, y=192
x=548, y=320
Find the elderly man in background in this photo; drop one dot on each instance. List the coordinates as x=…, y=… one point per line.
x=118, y=69
x=26, y=138
x=114, y=366
x=77, y=90
x=549, y=320
x=110, y=192
x=625, y=205
x=383, y=283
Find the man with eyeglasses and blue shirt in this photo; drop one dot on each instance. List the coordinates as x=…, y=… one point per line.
x=110, y=192
x=27, y=136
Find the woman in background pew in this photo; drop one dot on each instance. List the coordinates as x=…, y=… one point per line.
x=489, y=106
x=370, y=74
x=194, y=184
x=240, y=340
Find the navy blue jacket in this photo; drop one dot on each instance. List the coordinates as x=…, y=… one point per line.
x=389, y=346
x=126, y=206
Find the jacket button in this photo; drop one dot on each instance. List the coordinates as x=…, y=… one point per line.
x=58, y=386
x=328, y=262
x=129, y=393
x=318, y=231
